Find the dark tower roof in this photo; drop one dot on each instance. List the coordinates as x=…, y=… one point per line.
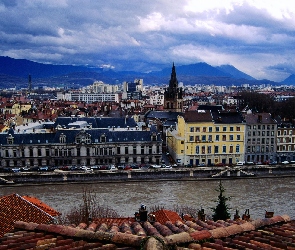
x=173, y=91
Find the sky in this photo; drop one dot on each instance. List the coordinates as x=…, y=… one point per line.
x=255, y=36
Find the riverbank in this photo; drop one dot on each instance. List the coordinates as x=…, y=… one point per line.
x=184, y=174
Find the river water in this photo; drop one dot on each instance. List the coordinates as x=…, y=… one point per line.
x=257, y=195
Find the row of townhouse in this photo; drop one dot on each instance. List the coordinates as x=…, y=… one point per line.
x=207, y=137
x=80, y=141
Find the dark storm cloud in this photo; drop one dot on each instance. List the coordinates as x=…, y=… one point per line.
x=143, y=35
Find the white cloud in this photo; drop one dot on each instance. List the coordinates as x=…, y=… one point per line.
x=254, y=36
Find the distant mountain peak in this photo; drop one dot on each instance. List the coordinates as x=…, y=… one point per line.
x=289, y=80
x=234, y=72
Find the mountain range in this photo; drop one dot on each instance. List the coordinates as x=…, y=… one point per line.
x=15, y=72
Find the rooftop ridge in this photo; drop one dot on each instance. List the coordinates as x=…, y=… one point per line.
x=136, y=240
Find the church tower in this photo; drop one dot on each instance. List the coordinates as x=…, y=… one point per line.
x=173, y=99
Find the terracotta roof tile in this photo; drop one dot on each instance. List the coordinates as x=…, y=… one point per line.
x=273, y=233
x=164, y=215
x=15, y=208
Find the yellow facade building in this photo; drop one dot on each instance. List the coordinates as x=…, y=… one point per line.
x=207, y=138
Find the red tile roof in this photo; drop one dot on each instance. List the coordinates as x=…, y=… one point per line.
x=166, y=215
x=42, y=205
x=272, y=233
x=14, y=208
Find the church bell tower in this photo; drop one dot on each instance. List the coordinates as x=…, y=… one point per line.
x=173, y=96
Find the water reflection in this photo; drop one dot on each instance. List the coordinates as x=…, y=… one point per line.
x=257, y=195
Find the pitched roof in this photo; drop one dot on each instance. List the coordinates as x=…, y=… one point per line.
x=164, y=215
x=14, y=208
x=41, y=205
x=262, y=118
x=272, y=233
x=198, y=116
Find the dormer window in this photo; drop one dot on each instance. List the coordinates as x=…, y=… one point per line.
x=62, y=138
x=10, y=139
x=103, y=138
x=154, y=137
x=83, y=137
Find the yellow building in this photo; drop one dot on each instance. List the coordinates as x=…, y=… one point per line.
x=15, y=108
x=207, y=138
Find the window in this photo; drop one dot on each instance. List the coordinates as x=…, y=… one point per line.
x=209, y=149
x=216, y=149
x=224, y=137
x=231, y=128
x=203, y=149
x=191, y=138
x=203, y=137
x=197, y=149
x=197, y=129
x=62, y=138
x=231, y=137
x=197, y=138
x=103, y=138
x=217, y=129
x=238, y=128
x=204, y=129
x=238, y=148
x=210, y=129
x=217, y=138
x=238, y=137
x=231, y=149
x=223, y=149
x=191, y=129
x=224, y=129
x=209, y=137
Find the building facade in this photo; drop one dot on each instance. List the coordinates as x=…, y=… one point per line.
x=285, y=143
x=260, y=138
x=204, y=137
x=79, y=142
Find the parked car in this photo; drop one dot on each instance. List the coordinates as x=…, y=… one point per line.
x=112, y=167
x=240, y=163
x=103, y=167
x=86, y=169
x=15, y=170
x=285, y=162
x=95, y=167
x=25, y=169
x=127, y=167
x=155, y=166
x=121, y=167
x=43, y=168
x=249, y=163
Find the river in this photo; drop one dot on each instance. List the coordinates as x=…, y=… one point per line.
x=257, y=195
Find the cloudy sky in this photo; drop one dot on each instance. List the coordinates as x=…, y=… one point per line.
x=257, y=37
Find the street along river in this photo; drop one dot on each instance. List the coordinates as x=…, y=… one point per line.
x=257, y=195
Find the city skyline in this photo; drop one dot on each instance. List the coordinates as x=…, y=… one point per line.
x=256, y=37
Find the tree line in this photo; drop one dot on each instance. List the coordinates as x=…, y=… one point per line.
x=261, y=103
